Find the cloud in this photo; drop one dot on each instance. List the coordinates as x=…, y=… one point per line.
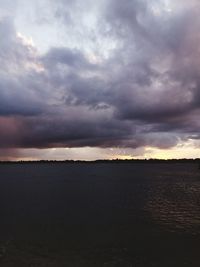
x=128, y=77
x=19, y=79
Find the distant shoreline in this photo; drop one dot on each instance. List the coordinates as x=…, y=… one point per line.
x=118, y=161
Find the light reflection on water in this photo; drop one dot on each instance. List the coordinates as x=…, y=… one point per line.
x=174, y=202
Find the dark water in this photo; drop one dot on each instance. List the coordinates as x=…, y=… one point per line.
x=100, y=215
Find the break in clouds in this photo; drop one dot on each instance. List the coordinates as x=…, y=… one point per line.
x=105, y=73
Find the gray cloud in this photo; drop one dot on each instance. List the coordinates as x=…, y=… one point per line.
x=20, y=83
x=141, y=91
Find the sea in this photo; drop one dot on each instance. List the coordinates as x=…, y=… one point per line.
x=100, y=214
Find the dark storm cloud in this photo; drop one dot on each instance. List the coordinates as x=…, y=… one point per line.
x=62, y=132
x=143, y=91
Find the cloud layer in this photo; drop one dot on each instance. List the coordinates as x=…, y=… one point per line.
x=120, y=74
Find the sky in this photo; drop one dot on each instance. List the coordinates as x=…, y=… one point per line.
x=99, y=79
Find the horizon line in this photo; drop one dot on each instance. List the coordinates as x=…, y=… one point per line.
x=98, y=160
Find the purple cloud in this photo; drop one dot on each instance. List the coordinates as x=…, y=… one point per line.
x=144, y=91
